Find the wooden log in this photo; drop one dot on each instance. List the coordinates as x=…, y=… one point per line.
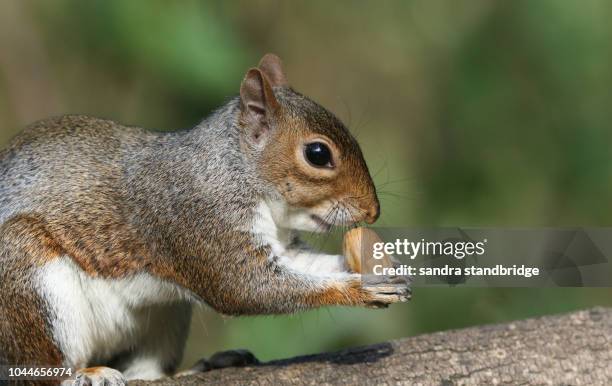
x=570, y=349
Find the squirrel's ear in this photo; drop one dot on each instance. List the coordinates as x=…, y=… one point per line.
x=272, y=66
x=257, y=103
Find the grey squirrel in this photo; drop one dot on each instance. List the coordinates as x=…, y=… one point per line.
x=109, y=234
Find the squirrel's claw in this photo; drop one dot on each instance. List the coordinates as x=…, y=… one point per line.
x=386, y=290
x=97, y=376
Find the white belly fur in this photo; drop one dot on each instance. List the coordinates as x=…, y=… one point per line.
x=94, y=318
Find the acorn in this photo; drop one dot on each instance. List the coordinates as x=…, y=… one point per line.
x=358, y=247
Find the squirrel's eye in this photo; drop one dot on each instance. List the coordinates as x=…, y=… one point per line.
x=318, y=154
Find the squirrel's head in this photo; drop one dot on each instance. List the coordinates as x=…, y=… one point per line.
x=304, y=152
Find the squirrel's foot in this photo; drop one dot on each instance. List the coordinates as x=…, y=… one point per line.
x=223, y=359
x=95, y=376
x=384, y=290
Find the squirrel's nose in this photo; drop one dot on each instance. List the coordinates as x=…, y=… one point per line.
x=373, y=213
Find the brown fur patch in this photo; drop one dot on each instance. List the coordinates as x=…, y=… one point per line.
x=24, y=332
x=344, y=294
x=92, y=370
x=33, y=238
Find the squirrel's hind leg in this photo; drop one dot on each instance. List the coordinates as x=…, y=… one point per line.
x=25, y=337
x=160, y=351
x=156, y=355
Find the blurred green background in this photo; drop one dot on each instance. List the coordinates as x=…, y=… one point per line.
x=470, y=113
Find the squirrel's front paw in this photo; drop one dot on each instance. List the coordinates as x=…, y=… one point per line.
x=97, y=376
x=381, y=291
x=378, y=290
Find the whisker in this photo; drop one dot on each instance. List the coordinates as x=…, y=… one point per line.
x=380, y=169
x=394, y=194
x=390, y=182
x=328, y=219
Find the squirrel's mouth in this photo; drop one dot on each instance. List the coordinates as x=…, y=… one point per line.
x=322, y=225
